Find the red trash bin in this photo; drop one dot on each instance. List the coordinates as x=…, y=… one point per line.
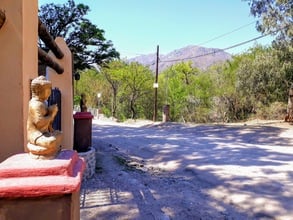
x=82, y=131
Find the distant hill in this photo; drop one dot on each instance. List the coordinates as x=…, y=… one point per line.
x=201, y=57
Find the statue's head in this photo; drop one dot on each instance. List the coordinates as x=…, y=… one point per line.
x=41, y=87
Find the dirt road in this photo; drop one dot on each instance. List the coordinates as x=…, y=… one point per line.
x=180, y=171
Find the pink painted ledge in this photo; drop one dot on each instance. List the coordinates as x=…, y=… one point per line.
x=23, y=176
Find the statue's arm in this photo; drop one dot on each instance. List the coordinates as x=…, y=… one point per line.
x=52, y=110
x=40, y=115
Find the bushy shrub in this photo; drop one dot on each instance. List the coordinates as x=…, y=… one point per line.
x=275, y=111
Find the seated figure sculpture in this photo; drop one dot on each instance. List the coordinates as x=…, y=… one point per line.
x=43, y=141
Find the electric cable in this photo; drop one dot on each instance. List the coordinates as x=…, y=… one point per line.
x=225, y=34
x=216, y=50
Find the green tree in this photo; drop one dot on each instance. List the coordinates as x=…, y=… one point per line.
x=175, y=86
x=137, y=87
x=201, y=93
x=114, y=73
x=275, y=17
x=261, y=80
x=224, y=80
x=91, y=84
x=85, y=40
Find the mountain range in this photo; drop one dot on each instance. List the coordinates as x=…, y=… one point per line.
x=201, y=57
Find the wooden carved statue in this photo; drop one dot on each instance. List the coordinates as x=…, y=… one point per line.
x=43, y=141
x=82, y=103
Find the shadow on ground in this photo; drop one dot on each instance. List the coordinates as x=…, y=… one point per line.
x=176, y=171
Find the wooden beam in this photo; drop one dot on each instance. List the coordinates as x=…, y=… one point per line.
x=49, y=41
x=2, y=18
x=46, y=59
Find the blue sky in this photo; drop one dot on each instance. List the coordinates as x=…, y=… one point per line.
x=137, y=26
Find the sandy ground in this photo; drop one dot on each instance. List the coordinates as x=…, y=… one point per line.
x=168, y=171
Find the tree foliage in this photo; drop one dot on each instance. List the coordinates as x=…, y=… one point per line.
x=251, y=84
x=173, y=91
x=91, y=84
x=114, y=73
x=275, y=17
x=188, y=91
x=236, y=90
x=125, y=88
x=85, y=40
x=137, y=86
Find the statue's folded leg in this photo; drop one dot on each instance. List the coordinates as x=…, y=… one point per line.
x=45, y=147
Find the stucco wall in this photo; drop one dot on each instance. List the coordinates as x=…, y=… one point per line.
x=18, y=65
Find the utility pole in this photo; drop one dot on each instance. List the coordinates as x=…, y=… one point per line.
x=156, y=88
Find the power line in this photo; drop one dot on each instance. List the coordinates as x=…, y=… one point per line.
x=245, y=42
x=217, y=50
x=215, y=38
x=220, y=50
x=225, y=34
x=227, y=48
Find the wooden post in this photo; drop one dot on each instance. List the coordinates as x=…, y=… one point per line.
x=2, y=18
x=46, y=59
x=156, y=88
x=49, y=41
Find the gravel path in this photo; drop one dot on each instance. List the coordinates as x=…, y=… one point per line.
x=180, y=171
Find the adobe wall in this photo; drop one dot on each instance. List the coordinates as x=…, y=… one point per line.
x=18, y=65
